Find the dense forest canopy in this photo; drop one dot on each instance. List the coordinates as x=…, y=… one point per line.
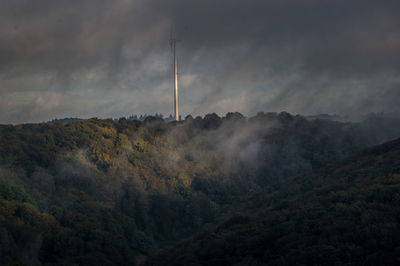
x=347, y=214
x=117, y=192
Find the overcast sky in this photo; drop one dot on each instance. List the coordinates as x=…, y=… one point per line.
x=102, y=58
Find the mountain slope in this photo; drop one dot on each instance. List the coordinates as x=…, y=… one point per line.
x=113, y=192
x=346, y=214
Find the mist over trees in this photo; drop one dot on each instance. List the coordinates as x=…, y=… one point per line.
x=117, y=191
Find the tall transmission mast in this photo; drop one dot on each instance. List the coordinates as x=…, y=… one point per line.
x=173, y=42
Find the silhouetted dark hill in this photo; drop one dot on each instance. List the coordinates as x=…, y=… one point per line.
x=113, y=192
x=63, y=121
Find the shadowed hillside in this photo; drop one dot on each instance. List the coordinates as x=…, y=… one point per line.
x=345, y=214
x=112, y=192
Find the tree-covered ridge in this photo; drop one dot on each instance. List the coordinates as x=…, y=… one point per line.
x=346, y=214
x=112, y=192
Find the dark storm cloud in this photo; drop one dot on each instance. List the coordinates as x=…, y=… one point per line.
x=111, y=58
x=64, y=36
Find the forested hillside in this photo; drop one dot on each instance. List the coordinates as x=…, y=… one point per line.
x=104, y=192
x=346, y=214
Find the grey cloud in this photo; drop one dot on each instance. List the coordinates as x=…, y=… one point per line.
x=303, y=56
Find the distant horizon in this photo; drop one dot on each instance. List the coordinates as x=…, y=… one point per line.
x=343, y=118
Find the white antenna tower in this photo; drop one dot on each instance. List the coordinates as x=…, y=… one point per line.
x=173, y=42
